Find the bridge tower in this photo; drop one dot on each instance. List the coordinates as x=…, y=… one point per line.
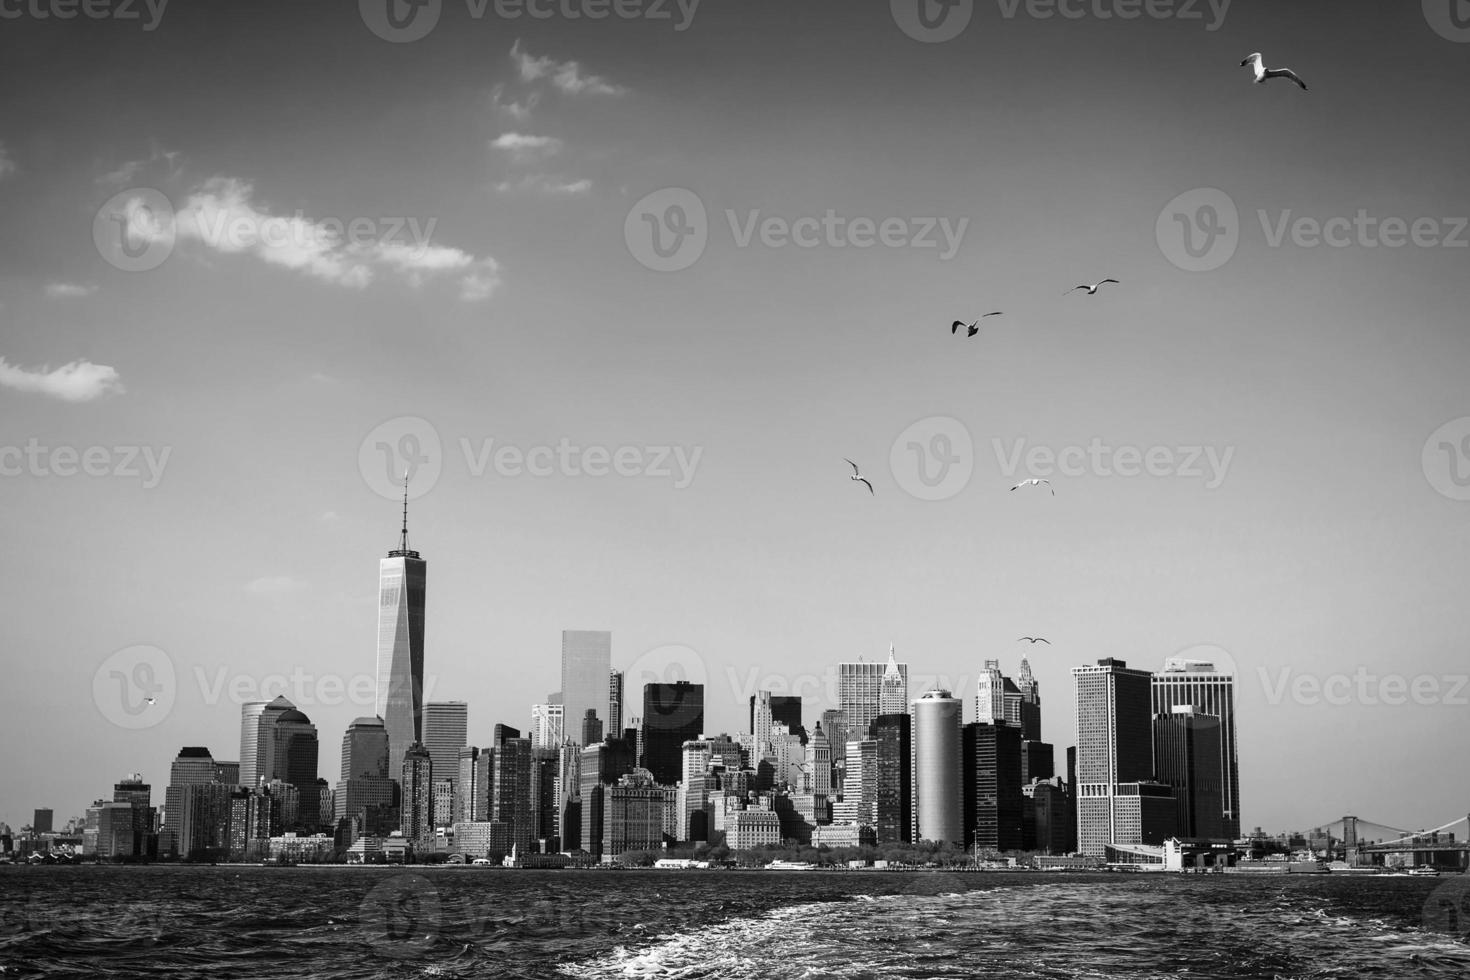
x=1350, y=840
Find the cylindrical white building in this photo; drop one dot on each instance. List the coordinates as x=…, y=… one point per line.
x=938, y=795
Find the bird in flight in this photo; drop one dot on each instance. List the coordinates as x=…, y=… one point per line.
x=972, y=328
x=151, y=700
x=1033, y=640
x=1091, y=288
x=1034, y=482
x=858, y=476
x=1262, y=73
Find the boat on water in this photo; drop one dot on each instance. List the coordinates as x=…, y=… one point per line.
x=1425, y=871
x=791, y=866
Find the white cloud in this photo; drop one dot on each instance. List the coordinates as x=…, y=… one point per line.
x=519, y=111
x=544, y=184
x=480, y=283
x=521, y=146
x=222, y=215
x=274, y=585
x=79, y=381
x=565, y=75
x=67, y=290
x=7, y=165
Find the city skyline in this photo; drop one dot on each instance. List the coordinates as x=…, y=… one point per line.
x=269, y=407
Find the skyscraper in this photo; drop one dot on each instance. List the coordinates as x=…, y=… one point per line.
x=992, y=786
x=402, y=578
x=417, y=775
x=1198, y=684
x=672, y=715
x=767, y=708
x=867, y=690
x=1187, y=757
x=547, y=726
x=193, y=766
x=990, y=694
x=257, y=722
x=938, y=801
x=364, y=780
x=893, y=784
x=294, y=760
x=821, y=763
x=446, y=731
x=615, y=703
x=586, y=669
x=513, y=790
x=1030, y=703
x=472, y=802
x=1117, y=800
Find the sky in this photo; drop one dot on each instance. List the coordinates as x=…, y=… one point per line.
x=265, y=257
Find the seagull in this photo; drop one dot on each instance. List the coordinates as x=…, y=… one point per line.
x=973, y=328
x=151, y=700
x=858, y=476
x=1091, y=289
x=1033, y=482
x=1033, y=640
x=1263, y=73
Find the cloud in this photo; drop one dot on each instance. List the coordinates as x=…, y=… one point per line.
x=79, y=381
x=274, y=585
x=67, y=290
x=565, y=75
x=7, y=165
x=544, y=184
x=523, y=147
x=222, y=215
x=127, y=170
x=519, y=111
x=481, y=283
x=329, y=516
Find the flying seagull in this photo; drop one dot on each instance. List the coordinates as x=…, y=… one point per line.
x=1033, y=482
x=1091, y=289
x=858, y=476
x=151, y=700
x=972, y=328
x=1033, y=640
x=1262, y=72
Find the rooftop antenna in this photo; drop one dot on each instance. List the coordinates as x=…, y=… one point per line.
x=403, y=535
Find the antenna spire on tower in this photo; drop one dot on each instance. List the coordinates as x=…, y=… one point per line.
x=403, y=536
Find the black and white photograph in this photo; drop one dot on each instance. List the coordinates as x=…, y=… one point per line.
x=735, y=489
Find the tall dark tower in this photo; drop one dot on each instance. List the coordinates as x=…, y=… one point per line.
x=672, y=715
x=400, y=696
